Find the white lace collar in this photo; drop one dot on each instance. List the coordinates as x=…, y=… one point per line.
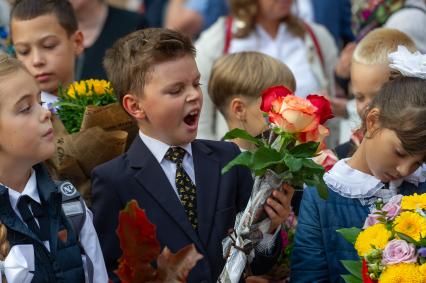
x=352, y=183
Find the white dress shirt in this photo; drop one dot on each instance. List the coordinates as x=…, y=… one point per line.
x=285, y=47
x=88, y=237
x=48, y=99
x=159, y=150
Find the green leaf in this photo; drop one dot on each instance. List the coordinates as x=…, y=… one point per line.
x=321, y=187
x=305, y=150
x=309, y=163
x=264, y=157
x=294, y=164
x=354, y=267
x=407, y=238
x=351, y=279
x=350, y=234
x=244, y=158
x=241, y=134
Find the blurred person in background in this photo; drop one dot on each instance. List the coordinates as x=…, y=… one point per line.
x=101, y=25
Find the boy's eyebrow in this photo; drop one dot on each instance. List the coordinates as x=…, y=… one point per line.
x=39, y=39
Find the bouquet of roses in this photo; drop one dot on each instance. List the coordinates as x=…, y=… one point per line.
x=392, y=244
x=140, y=247
x=92, y=128
x=296, y=136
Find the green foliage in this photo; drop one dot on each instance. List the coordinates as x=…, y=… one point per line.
x=291, y=161
x=350, y=234
x=72, y=104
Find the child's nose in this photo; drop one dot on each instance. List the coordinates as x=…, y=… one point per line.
x=45, y=114
x=195, y=94
x=37, y=58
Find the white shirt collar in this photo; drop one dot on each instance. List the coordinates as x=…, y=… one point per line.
x=350, y=182
x=48, y=99
x=159, y=148
x=30, y=190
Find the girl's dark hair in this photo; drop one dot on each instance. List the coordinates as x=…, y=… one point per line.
x=402, y=105
x=30, y=9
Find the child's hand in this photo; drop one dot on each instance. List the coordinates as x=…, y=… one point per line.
x=278, y=206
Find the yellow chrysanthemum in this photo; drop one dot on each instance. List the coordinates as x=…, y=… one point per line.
x=422, y=269
x=89, y=87
x=376, y=235
x=413, y=202
x=411, y=224
x=402, y=273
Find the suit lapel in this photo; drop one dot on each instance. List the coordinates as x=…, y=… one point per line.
x=151, y=177
x=207, y=175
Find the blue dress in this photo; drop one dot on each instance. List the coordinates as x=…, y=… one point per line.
x=318, y=248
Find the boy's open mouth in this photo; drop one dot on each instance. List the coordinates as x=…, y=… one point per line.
x=191, y=118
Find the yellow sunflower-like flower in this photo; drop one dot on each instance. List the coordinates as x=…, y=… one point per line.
x=376, y=235
x=402, y=273
x=411, y=224
x=89, y=88
x=422, y=269
x=413, y=202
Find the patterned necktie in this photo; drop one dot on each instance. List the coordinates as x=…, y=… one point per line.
x=43, y=229
x=185, y=187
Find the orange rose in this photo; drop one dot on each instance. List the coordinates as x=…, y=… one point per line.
x=316, y=135
x=294, y=114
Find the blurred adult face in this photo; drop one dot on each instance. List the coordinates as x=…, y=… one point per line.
x=274, y=9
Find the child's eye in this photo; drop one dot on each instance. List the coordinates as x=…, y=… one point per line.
x=398, y=153
x=25, y=109
x=50, y=46
x=22, y=52
x=175, y=91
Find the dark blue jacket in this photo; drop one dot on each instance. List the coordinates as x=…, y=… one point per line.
x=138, y=175
x=318, y=248
x=63, y=263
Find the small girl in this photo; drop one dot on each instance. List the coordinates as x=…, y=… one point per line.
x=37, y=242
x=394, y=147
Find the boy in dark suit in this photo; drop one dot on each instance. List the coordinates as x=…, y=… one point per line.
x=174, y=177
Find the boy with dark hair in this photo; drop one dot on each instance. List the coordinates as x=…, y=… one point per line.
x=156, y=78
x=47, y=40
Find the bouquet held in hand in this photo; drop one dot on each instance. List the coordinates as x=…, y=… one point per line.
x=296, y=136
x=92, y=129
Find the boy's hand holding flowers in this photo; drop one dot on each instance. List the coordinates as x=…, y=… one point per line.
x=278, y=206
x=296, y=136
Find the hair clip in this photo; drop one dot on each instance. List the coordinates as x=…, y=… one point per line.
x=407, y=63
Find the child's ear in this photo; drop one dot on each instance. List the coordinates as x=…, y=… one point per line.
x=132, y=105
x=78, y=39
x=372, y=121
x=238, y=108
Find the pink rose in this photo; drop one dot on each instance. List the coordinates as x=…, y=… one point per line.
x=271, y=94
x=398, y=251
x=393, y=207
x=371, y=219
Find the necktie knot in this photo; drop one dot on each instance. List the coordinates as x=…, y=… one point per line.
x=175, y=154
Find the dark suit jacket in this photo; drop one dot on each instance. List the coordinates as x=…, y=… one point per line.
x=137, y=175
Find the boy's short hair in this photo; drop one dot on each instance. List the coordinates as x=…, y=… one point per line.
x=376, y=46
x=30, y=9
x=246, y=74
x=130, y=60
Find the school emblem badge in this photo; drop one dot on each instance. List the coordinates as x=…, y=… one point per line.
x=67, y=189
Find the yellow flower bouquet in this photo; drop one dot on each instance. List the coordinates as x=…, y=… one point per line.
x=92, y=128
x=392, y=244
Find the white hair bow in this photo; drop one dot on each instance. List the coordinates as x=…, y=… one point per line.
x=407, y=63
x=18, y=267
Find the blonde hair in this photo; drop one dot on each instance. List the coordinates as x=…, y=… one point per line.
x=376, y=46
x=4, y=245
x=246, y=74
x=246, y=11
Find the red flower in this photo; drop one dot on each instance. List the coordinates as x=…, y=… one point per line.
x=365, y=276
x=323, y=107
x=270, y=94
